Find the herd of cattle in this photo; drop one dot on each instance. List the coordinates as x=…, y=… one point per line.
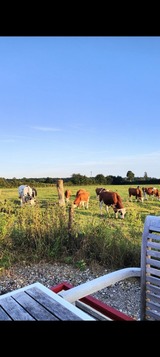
x=141, y=194
x=112, y=199
x=105, y=197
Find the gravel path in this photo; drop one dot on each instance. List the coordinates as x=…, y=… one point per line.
x=124, y=296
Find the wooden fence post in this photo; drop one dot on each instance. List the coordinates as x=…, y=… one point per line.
x=61, y=192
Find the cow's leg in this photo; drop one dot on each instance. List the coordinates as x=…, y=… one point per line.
x=22, y=200
x=107, y=209
x=100, y=206
x=87, y=203
x=145, y=196
x=115, y=211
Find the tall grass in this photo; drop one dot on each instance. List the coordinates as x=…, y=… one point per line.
x=38, y=233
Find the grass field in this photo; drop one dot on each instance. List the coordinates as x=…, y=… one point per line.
x=40, y=232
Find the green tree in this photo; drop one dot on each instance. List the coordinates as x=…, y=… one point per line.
x=109, y=180
x=145, y=176
x=130, y=175
x=100, y=179
x=78, y=179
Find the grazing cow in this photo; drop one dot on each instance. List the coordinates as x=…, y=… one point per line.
x=26, y=194
x=156, y=193
x=147, y=191
x=67, y=194
x=151, y=191
x=82, y=199
x=137, y=192
x=114, y=200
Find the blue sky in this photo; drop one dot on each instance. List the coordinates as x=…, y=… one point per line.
x=79, y=105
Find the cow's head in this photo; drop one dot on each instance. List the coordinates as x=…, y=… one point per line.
x=121, y=211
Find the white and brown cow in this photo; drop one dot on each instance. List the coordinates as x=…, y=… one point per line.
x=114, y=200
x=27, y=194
x=136, y=192
x=82, y=199
x=151, y=191
x=156, y=193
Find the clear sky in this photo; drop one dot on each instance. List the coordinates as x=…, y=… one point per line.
x=79, y=105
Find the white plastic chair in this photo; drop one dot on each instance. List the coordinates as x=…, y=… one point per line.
x=148, y=272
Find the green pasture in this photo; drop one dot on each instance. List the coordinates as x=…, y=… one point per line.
x=49, y=195
x=42, y=232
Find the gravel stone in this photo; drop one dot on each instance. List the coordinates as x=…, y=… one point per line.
x=124, y=296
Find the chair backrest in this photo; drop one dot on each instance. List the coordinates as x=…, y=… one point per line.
x=150, y=269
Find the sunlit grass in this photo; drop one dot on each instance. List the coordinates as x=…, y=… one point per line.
x=40, y=232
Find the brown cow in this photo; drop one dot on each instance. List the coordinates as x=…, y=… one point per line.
x=156, y=193
x=82, y=199
x=150, y=191
x=67, y=194
x=147, y=191
x=137, y=192
x=114, y=200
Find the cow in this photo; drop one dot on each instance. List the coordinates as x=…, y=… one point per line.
x=82, y=199
x=114, y=200
x=67, y=194
x=150, y=191
x=136, y=192
x=156, y=193
x=147, y=191
x=26, y=194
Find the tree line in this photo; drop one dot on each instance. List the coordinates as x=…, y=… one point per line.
x=79, y=180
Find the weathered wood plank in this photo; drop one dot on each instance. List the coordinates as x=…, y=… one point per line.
x=152, y=280
x=36, y=302
x=153, y=262
x=60, y=311
x=3, y=315
x=153, y=289
x=153, y=253
x=36, y=310
x=152, y=271
x=152, y=315
x=153, y=245
x=14, y=310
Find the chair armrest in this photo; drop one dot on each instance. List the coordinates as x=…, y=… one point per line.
x=97, y=284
